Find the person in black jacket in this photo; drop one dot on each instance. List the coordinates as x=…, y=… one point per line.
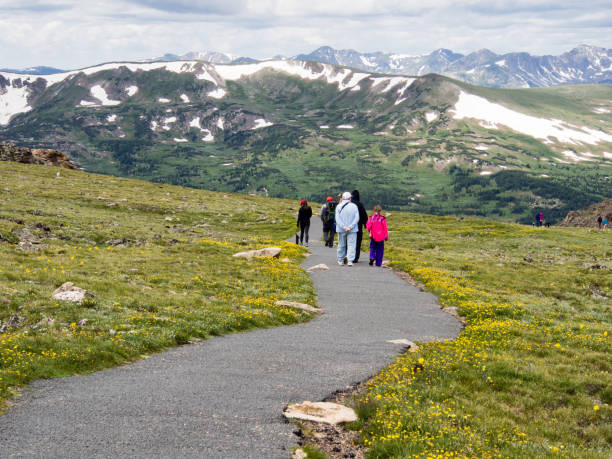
x=303, y=220
x=363, y=219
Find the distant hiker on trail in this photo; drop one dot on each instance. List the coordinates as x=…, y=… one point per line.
x=303, y=220
x=377, y=226
x=599, y=221
x=539, y=218
x=363, y=219
x=347, y=220
x=328, y=214
x=605, y=222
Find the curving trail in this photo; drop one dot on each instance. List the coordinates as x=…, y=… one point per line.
x=224, y=397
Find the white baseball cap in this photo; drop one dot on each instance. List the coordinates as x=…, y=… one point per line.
x=346, y=195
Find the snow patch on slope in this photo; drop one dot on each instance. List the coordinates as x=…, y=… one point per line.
x=218, y=93
x=13, y=102
x=493, y=115
x=99, y=93
x=261, y=123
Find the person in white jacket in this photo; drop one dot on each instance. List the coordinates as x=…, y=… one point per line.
x=347, y=221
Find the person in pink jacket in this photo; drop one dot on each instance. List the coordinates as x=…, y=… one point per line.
x=377, y=226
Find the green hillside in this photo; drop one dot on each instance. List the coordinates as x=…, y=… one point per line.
x=158, y=259
x=402, y=148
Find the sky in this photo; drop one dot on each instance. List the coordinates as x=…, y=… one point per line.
x=74, y=34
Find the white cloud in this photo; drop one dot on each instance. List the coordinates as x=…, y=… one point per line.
x=72, y=34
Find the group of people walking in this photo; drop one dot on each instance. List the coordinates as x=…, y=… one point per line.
x=347, y=217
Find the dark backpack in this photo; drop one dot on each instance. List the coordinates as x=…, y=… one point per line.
x=330, y=213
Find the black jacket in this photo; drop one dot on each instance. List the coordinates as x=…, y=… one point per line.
x=304, y=215
x=363, y=215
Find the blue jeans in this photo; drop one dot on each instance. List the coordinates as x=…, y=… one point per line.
x=347, y=243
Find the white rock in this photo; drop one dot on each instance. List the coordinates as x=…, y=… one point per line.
x=260, y=253
x=404, y=342
x=321, y=267
x=68, y=292
x=291, y=304
x=323, y=412
x=299, y=454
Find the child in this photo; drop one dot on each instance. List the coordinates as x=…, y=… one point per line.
x=377, y=226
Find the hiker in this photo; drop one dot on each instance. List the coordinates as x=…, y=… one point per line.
x=604, y=222
x=540, y=218
x=347, y=219
x=363, y=219
x=303, y=220
x=377, y=226
x=599, y=221
x=328, y=213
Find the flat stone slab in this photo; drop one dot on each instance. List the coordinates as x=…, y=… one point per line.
x=292, y=304
x=319, y=267
x=323, y=412
x=260, y=253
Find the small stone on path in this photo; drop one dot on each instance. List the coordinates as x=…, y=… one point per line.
x=323, y=412
x=319, y=267
x=292, y=304
x=260, y=253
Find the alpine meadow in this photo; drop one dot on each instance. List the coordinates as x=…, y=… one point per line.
x=181, y=164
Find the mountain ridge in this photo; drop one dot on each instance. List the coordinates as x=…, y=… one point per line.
x=294, y=128
x=584, y=64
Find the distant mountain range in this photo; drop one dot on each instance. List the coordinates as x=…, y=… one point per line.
x=40, y=70
x=582, y=65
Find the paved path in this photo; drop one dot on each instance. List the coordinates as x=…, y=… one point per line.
x=224, y=397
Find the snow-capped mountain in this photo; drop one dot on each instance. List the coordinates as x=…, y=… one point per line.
x=584, y=64
x=214, y=57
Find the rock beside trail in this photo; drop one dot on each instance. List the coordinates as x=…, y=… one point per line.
x=10, y=152
x=267, y=252
x=69, y=292
x=322, y=412
x=405, y=342
x=320, y=267
x=291, y=304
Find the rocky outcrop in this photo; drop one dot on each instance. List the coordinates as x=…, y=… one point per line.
x=10, y=152
x=588, y=217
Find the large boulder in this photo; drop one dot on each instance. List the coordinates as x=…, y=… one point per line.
x=323, y=412
x=69, y=292
x=267, y=252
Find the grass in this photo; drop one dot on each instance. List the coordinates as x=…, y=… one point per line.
x=158, y=259
x=529, y=376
